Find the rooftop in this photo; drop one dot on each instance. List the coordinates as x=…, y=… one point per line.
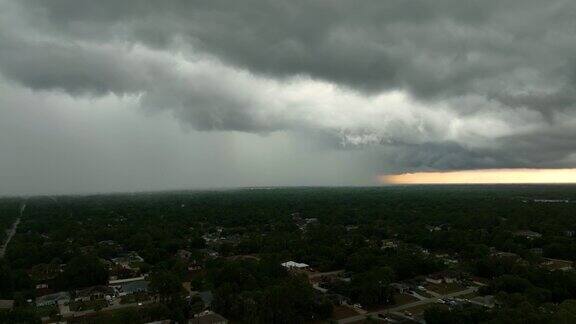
x=210, y=318
x=6, y=303
x=292, y=264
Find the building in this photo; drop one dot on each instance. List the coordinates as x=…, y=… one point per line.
x=338, y=299
x=53, y=299
x=208, y=318
x=351, y=228
x=442, y=277
x=291, y=265
x=432, y=228
x=556, y=264
x=537, y=251
x=400, y=287
x=6, y=304
x=184, y=255
x=505, y=255
x=44, y=272
x=129, y=286
x=94, y=293
x=390, y=244
x=527, y=234
x=128, y=260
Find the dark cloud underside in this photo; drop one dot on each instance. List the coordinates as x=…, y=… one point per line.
x=413, y=84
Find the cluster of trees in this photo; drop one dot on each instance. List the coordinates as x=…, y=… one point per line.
x=263, y=292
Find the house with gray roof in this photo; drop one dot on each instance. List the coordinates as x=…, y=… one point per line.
x=53, y=299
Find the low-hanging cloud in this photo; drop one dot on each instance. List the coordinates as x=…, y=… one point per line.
x=430, y=85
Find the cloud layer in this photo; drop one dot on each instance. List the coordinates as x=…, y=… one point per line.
x=443, y=85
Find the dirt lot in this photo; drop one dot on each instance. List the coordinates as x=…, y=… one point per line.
x=341, y=312
x=402, y=299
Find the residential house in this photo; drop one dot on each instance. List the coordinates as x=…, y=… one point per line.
x=209, y=253
x=338, y=299
x=351, y=228
x=295, y=266
x=390, y=244
x=211, y=239
x=43, y=289
x=128, y=260
x=527, y=234
x=505, y=255
x=53, y=299
x=303, y=223
x=400, y=287
x=6, y=304
x=94, y=293
x=442, y=277
x=45, y=271
x=556, y=264
x=432, y=228
x=88, y=249
x=208, y=318
x=183, y=255
x=194, y=265
x=537, y=251
x=129, y=286
x=446, y=258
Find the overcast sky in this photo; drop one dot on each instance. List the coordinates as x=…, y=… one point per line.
x=132, y=95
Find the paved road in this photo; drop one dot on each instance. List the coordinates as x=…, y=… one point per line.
x=407, y=306
x=11, y=231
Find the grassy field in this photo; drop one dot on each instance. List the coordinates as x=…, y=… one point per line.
x=445, y=288
x=86, y=305
x=341, y=312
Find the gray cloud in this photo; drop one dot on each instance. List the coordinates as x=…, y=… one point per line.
x=449, y=47
x=411, y=84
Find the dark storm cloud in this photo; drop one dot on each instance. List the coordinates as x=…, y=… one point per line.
x=447, y=47
x=484, y=82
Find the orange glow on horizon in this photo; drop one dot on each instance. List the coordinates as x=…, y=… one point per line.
x=492, y=176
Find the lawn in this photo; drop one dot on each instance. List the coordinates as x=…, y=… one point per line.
x=424, y=293
x=46, y=311
x=134, y=298
x=445, y=288
x=403, y=299
x=340, y=312
x=420, y=309
x=399, y=299
x=470, y=295
x=86, y=305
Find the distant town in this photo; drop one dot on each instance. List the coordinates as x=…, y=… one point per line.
x=472, y=254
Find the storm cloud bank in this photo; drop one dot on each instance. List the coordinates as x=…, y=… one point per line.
x=446, y=84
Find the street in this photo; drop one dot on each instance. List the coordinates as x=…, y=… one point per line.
x=408, y=306
x=11, y=231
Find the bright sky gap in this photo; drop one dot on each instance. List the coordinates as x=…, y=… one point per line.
x=497, y=176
